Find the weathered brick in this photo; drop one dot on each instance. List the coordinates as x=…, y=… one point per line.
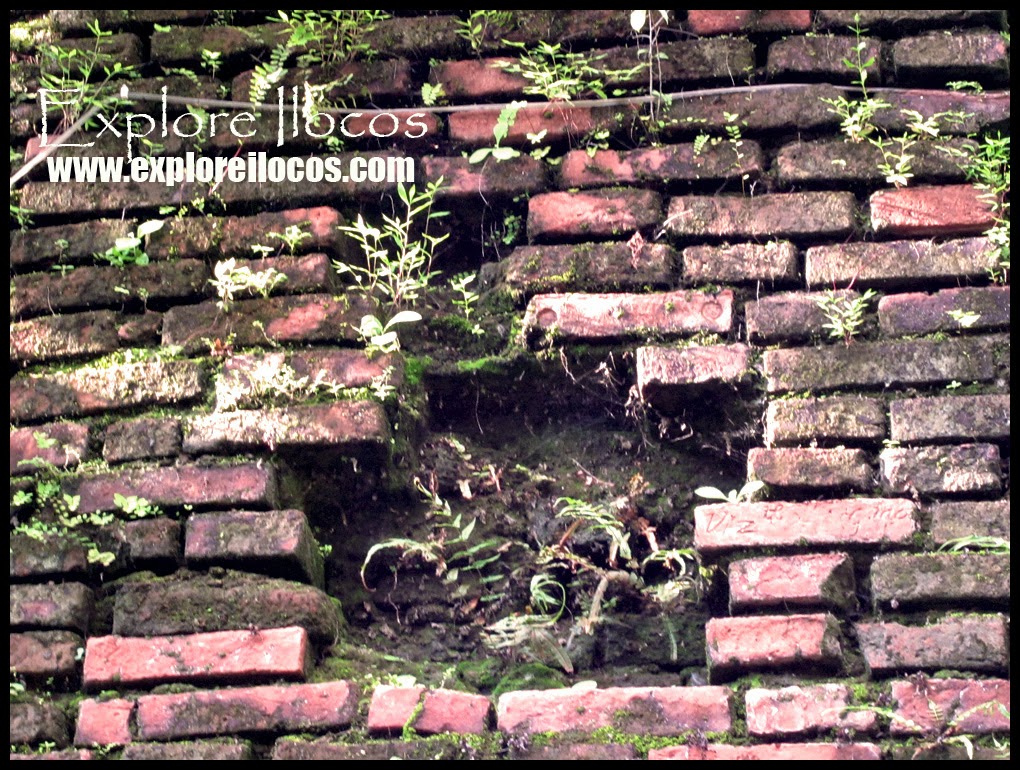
x=986, y=111
x=277, y=541
x=36, y=722
x=331, y=705
x=421, y=37
x=44, y=198
x=921, y=60
x=863, y=364
x=737, y=22
x=930, y=211
x=51, y=556
x=288, y=748
x=775, y=109
x=57, y=606
x=449, y=711
x=967, y=468
x=123, y=48
x=247, y=656
x=304, y=274
x=190, y=751
x=833, y=160
x=951, y=309
x=474, y=127
x=656, y=710
x=821, y=57
x=244, y=484
x=152, y=543
x=969, y=643
x=77, y=22
x=140, y=331
x=771, y=752
x=774, y=262
x=610, y=213
x=104, y=722
x=810, y=468
x=666, y=376
x=42, y=654
x=793, y=711
x=590, y=267
x=892, y=264
x=840, y=419
x=971, y=707
x=465, y=181
x=52, y=338
x=577, y=26
x=392, y=707
x=953, y=520
x=904, y=19
x=91, y=390
x=686, y=62
x=182, y=44
x=789, y=316
x=614, y=316
x=81, y=755
x=950, y=418
x=477, y=79
x=142, y=439
x=911, y=580
x=772, y=642
x=810, y=580
x=65, y=243
x=781, y=215
x=387, y=79
x=613, y=752
x=61, y=444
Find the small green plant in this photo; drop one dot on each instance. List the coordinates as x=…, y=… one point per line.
x=211, y=61
x=478, y=23
x=745, y=494
x=560, y=75
x=466, y=298
x=857, y=115
x=129, y=250
x=507, y=117
x=987, y=165
x=432, y=94
x=382, y=337
x=844, y=312
x=964, y=318
x=230, y=280
x=986, y=543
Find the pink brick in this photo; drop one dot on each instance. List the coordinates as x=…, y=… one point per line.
x=69, y=446
x=475, y=126
x=810, y=580
x=823, y=522
x=104, y=723
x=928, y=211
x=771, y=752
x=477, y=78
x=449, y=711
x=666, y=375
x=772, y=642
x=810, y=468
x=80, y=755
x=804, y=710
x=962, y=469
x=969, y=643
x=602, y=214
x=789, y=316
x=652, y=710
x=664, y=165
x=463, y=180
x=977, y=707
x=392, y=707
x=735, y=22
x=220, y=655
x=56, y=606
x=41, y=654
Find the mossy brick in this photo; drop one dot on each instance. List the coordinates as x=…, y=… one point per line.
x=972, y=707
x=792, y=711
x=590, y=267
x=856, y=522
x=942, y=470
x=917, y=212
x=823, y=580
x=772, y=752
x=104, y=722
x=450, y=711
x=829, y=162
x=669, y=377
x=91, y=287
x=423, y=37
x=392, y=707
x=821, y=57
x=142, y=439
x=613, y=752
x=62, y=337
x=966, y=518
x=919, y=580
x=80, y=755
x=772, y=642
x=782, y=215
x=37, y=722
x=219, y=656
x=611, y=214
x=776, y=109
x=190, y=751
x=684, y=63
x=77, y=22
x=152, y=543
x=950, y=418
x=50, y=556
x=71, y=243
x=825, y=420
x=23, y=120
x=986, y=111
x=775, y=262
x=66, y=606
x=970, y=307
x=810, y=468
x=565, y=27
x=292, y=748
x=190, y=603
x=122, y=48
x=465, y=181
x=44, y=654
x=650, y=710
x=790, y=315
x=958, y=56
x=280, y=542
x=614, y=316
x=181, y=45
x=90, y=390
x=58, y=444
x=385, y=79
x=240, y=484
x=741, y=22
x=293, y=708
x=904, y=19
x=262, y=322
x=882, y=364
x=893, y=264
x=477, y=79
x=961, y=643
x=78, y=198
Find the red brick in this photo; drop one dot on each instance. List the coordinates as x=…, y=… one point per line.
x=475, y=79
x=974, y=707
x=919, y=580
x=247, y=656
x=104, y=723
x=811, y=580
x=653, y=710
x=838, y=419
x=892, y=264
x=31, y=445
x=771, y=752
x=950, y=418
x=781, y=215
x=465, y=181
x=804, y=710
x=243, y=484
x=736, y=22
x=449, y=711
x=142, y=439
x=93, y=390
x=789, y=316
x=830, y=161
x=969, y=643
x=52, y=338
x=41, y=654
x=612, y=316
x=189, y=750
x=61, y=605
x=392, y=707
x=590, y=267
x=610, y=213
x=774, y=262
x=771, y=642
x=930, y=211
x=968, y=468
x=666, y=375
x=278, y=541
x=856, y=521
x=781, y=109
x=968, y=56
x=821, y=57
x=295, y=708
x=810, y=468
x=953, y=520
x=474, y=127
x=65, y=243
x=389, y=79
x=981, y=112
x=984, y=308
x=51, y=556
x=152, y=543
x=38, y=721
x=661, y=165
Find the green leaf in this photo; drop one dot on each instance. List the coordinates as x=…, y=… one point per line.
x=147, y=228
